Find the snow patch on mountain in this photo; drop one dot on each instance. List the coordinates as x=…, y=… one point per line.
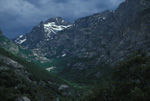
x=63, y=55
x=50, y=68
x=20, y=40
x=101, y=18
x=53, y=28
x=20, y=36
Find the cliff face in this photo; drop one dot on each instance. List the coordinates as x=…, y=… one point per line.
x=107, y=37
x=127, y=31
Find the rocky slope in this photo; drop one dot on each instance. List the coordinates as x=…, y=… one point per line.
x=21, y=51
x=43, y=32
x=4, y=43
x=99, y=39
x=25, y=81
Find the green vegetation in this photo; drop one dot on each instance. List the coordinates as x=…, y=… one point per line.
x=20, y=51
x=15, y=86
x=53, y=62
x=88, y=75
x=12, y=87
x=126, y=81
x=129, y=82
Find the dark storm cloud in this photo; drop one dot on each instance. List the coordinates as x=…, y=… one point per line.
x=19, y=16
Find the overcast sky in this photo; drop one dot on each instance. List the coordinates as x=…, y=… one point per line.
x=20, y=16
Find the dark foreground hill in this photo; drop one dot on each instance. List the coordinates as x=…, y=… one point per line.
x=24, y=81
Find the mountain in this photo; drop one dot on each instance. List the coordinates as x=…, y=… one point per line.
x=7, y=44
x=128, y=81
x=110, y=49
x=43, y=32
x=95, y=42
x=24, y=81
x=21, y=51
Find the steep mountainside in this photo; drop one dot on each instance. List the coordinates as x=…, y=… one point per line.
x=129, y=81
x=24, y=81
x=21, y=51
x=97, y=40
x=43, y=32
x=6, y=43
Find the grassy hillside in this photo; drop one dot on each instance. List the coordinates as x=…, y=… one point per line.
x=86, y=75
x=32, y=81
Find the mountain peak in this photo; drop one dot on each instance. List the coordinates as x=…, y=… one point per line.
x=53, y=25
x=54, y=19
x=44, y=31
x=58, y=21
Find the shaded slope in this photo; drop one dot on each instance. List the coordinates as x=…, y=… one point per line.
x=21, y=51
x=129, y=81
x=19, y=78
